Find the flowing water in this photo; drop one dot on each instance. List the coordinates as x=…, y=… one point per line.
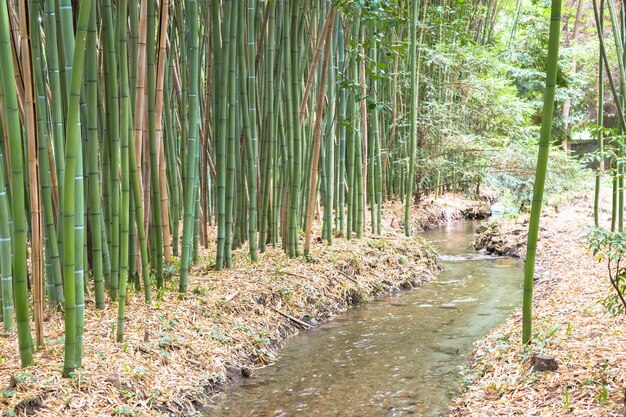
x=395, y=356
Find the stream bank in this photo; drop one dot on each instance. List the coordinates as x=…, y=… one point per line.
x=569, y=325
x=396, y=356
x=182, y=349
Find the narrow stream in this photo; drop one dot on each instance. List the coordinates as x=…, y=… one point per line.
x=395, y=356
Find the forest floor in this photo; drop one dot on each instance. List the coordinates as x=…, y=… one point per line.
x=569, y=324
x=182, y=349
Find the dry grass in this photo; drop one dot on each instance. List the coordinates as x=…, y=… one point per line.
x=184, y=348
x=569, y=325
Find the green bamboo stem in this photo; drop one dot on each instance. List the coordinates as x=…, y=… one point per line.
x=232, y=133
x=53, y=264
x=113, y=132
x=191, y=19
x=600, y=119
x=265, y=223
x=413, y=109
x=540, y=173
x=221, y=114
x=6, y=279
x=251, y=144
x=125, y=144
x=72, y=162
x=157, y=227
x=91, y=75
x=18, y=238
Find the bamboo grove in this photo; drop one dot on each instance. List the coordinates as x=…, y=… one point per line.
x=131, y=128
x=611, y=32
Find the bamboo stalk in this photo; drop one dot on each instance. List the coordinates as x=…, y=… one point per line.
x=33, y=176
x=318, y=132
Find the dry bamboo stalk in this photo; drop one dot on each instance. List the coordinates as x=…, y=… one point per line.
x=145, y=170
x=15, y=43
x=316, y=56
x=321, y=103
x=139, y=93
x=263, y=33
x=348, y=276
x=205, y=133
x=160, y=77
x=287, y=316
x=165, y=219
x=33, y=176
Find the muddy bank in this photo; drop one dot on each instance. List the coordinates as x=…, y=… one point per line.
x=182, y=349
x=437, y=212
x=569, y=325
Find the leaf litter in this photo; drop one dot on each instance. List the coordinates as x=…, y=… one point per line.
x=569, y=324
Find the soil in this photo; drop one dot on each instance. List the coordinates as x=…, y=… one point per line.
x=445, y=209
x=182, y=349
x=589, y=376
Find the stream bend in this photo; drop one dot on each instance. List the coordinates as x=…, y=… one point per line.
x=396, y=356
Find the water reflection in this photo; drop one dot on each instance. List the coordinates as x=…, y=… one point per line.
x=397, y=356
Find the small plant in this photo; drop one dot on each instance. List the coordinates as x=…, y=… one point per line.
x=543, y=340
x=604, y=394
x=610, y=247
x=216, y=334
x=552, y=332
x=79, y=380
x=286, y=291
x=160, y=293
x=169, y=271
x=199, y=290
x=124, y=411
x=139, y=373
x=165, y=341
x=261, y=338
